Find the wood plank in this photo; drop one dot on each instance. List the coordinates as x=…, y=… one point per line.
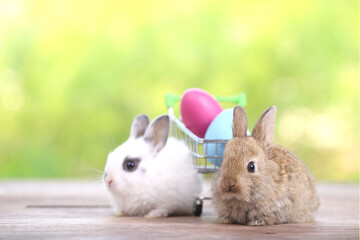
x=79, y=209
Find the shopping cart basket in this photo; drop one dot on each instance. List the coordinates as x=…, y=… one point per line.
x=199, y=146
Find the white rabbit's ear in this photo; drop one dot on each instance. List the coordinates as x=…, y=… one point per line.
x=239, y=122
x=157, y=133
x=139, y=125
x=264, y=129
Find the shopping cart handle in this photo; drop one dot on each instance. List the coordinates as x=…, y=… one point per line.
x=239, y=99
x=171, y=99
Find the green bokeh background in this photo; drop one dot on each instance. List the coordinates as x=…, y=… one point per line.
x=73, y=74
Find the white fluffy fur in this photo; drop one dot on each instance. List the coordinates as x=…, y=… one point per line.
x=165, y=183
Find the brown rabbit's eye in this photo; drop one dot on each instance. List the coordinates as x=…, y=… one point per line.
x=251, y=167
x=131, y=164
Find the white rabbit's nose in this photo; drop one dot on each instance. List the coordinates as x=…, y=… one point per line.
x=108, y=179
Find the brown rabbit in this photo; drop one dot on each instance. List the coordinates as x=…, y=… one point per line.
x=260, y=183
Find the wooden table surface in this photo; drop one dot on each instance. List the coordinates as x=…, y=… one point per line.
x=64, y=209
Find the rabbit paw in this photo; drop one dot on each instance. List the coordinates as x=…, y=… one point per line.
x=255, y=222
x=119, y=213
x=157, y=213
x=264, y=221
x=226, y=220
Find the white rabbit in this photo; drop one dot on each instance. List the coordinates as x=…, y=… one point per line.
x=151, y=174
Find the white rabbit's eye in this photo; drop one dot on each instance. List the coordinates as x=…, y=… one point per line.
x=251, y=167
x=131, y=164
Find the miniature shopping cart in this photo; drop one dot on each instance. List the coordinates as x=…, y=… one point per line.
x=199, y=146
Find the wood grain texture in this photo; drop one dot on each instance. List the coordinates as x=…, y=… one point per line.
x=79, y=209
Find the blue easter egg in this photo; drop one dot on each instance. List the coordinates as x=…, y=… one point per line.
x=219, y=129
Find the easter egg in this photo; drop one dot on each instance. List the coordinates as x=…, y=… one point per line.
x=219, y=129
x=198, y=109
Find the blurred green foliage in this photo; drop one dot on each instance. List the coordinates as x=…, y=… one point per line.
x=73, y=74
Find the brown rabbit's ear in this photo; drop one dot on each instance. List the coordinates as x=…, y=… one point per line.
x=139, y=125
x=264, y=128
x=239, y=122
x=157, y=133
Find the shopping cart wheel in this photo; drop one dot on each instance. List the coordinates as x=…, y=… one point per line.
x=198, y=205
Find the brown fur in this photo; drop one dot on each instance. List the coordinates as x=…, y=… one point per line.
x=281, y=190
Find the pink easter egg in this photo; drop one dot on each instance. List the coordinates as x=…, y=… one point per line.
x=198, y=108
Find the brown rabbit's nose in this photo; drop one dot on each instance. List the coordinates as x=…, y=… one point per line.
x=229, y=185
x=229, y=182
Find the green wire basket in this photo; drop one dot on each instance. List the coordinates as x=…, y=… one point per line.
x=198, y=146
